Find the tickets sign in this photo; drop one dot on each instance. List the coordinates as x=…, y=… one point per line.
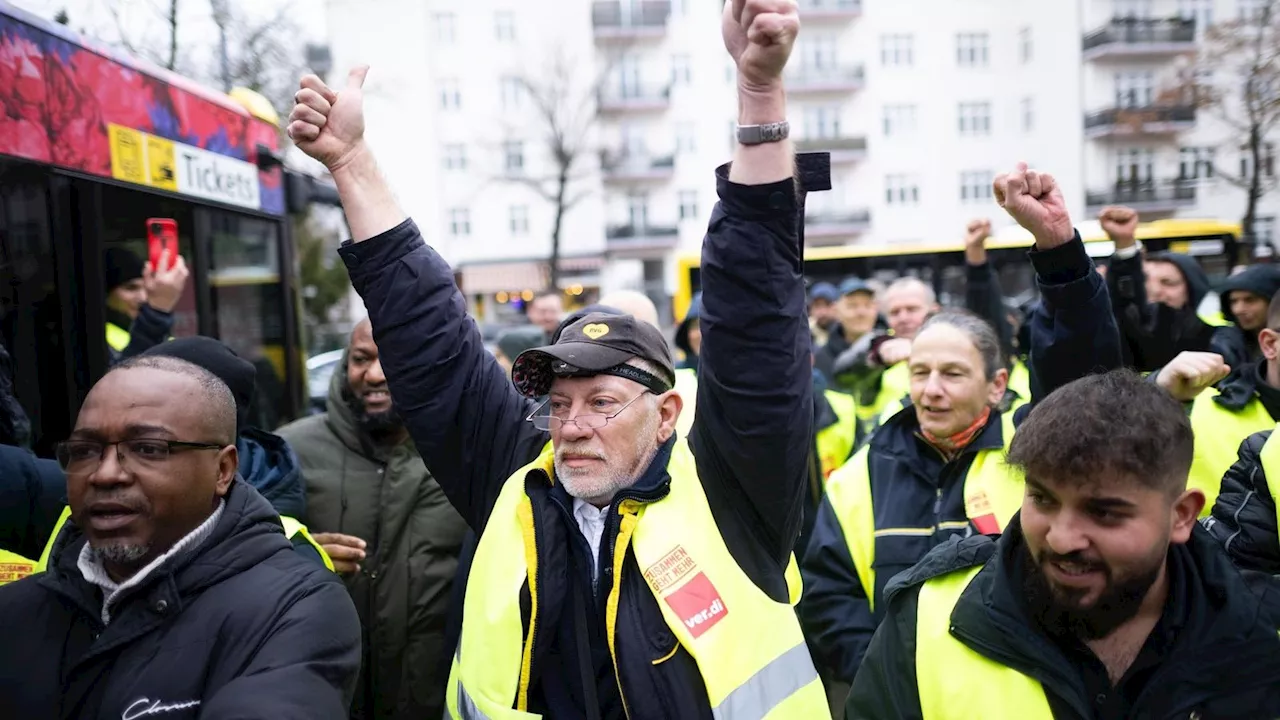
x=157, y=162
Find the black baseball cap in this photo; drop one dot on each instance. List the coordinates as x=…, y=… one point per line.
x=596, y=344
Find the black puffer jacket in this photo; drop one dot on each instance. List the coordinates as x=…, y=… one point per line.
x=1244, y=517
x=241, y=627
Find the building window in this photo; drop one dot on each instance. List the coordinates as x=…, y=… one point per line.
x=1135, y=166
x=459, y=222
x=513, y=157
x=975, y=185
x=681, y=70
x=899, y=120
x=897, y=50
x=504, y=25
x=688, y=204
x=1195, y=163
x=972, y=50
x=1025, y=48
x=519, y=219
x=1028, y=114
x=1135, y=89
x=455, y=156
x=686, y=137
x=818, y=52
x=1251, y=11
x=450, y=95
x=444, y=28
x=1264, y=229
x=1268, y=161
x=975, y=118
x=1137, y=9
x=1199, y=10
x=822, y=122
x=901, y=190
x=512, y=93
x=638, y=211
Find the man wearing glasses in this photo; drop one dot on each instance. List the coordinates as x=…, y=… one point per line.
x=624, y=570
x=173, y=590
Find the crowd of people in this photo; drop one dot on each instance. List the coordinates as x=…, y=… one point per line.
x=834, y=501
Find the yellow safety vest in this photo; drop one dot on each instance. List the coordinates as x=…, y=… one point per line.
x=993, y=490
x=1020, y=382
x=956, y=682
x=1269, y=457
x=710, y=604
x=895, y=384
x=1218, y=434
x=117, y=337
x=291, y=528
x=687, y=387
x=1215, y=320
x=14, y=567
x=835, y=442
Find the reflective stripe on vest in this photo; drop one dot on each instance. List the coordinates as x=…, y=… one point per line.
x=687, y=387
x=714, y=610
x=1269, y=458
x=835, y=442
x=293, y=527
x=117, y=337
x=993, y=493
x=953, y=680
x=1218, y=434
x=14, y=566
x=43, y=563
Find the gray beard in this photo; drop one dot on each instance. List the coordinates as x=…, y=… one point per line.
x=121, y=555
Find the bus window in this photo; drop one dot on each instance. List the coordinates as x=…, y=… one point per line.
x=124, y=225
x=248, y=304
x=31, y=311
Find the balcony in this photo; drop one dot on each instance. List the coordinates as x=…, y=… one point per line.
x=832, y=228
x=829, y=10
x=843, y=149
x=612, y=21
x=1146, y=120
x=826, y=80
x=644, y=241
x=621, y=167
x=1141, y=38
x=1149, y=197
x=627, y=99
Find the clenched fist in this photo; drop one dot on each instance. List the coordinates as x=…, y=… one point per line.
x=1191, y=373
x=975, y=241
x=759, y=35
x=326, y=125
x=1120, y=224
x=1034, y=200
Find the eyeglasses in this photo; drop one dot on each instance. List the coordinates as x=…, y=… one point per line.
x=593, y=421
x=80, y=457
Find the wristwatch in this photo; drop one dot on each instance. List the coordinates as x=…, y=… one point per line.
x=759, y=134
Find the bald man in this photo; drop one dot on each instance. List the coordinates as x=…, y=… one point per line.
x=632, y=302
x=172, y=574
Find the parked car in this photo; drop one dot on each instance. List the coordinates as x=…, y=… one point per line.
x=319, y=371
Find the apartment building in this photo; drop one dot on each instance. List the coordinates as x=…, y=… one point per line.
x=919, y=102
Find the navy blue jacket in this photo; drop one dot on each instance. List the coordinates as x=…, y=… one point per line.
x=751, y=438
x=1073, y=333
x=241, y=628
x=271, y=467
x=32, y=493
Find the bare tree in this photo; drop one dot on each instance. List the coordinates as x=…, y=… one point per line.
x=265, y=55
x=1238, y=82
x=143, y=49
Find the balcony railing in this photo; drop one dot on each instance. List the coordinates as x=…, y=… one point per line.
x=641, y=241
x=1141, y=36
x=822, y=226
x=826, y=79
x=612, y=20
x=624, y=167
x=1144, y=120
x=842, y=148
x=1145, y=196
x=829, y=9
x=633, y=99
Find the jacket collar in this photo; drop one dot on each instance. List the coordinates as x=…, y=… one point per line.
x=903, y=431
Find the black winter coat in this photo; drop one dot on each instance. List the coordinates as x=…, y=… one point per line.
x=242, y=627
x=1244, y=516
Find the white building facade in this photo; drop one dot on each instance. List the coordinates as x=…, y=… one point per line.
x=920, y=102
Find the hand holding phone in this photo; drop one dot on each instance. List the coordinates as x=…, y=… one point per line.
x=162, y=234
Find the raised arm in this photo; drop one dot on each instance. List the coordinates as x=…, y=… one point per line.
x=466, y=418
x=1073, y=332
x=755, y=395
x=983, y=295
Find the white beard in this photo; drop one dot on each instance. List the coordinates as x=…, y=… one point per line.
x=600, y=485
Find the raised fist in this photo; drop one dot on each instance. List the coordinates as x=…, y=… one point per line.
x=326, y=125
x=894, y=351
x=1121, y=225
x=977, y=233
x=1034, y=200
x=759, y=35
x=1191, y=373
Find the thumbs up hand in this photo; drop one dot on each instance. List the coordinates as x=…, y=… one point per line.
x=327, y=125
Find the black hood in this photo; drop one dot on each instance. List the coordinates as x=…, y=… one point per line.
x=1261, y=280
x=1197, y=280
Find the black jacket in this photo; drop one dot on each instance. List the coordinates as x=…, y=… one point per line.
x=241, y=626
x=1244, y=516
x=1072, y=335
x=1223, y=663
x=150, y=328
x=751, y=439
x=32, y=493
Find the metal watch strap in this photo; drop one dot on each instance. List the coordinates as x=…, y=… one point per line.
x=759, y=134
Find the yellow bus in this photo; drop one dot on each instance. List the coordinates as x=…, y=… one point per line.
x=942, y=264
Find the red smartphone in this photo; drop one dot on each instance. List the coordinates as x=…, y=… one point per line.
x=162, y=234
